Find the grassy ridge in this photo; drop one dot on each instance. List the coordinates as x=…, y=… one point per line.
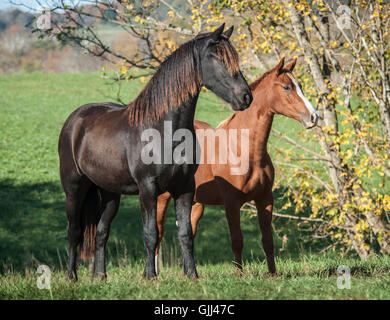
x=308, y=278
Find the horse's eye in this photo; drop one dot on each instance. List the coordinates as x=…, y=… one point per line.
x=286, y=88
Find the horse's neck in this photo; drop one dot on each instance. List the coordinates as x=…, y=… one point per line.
x=182, y=116
x=258, y=119
x=261, y=130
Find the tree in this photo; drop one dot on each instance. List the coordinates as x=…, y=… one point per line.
x=348, y=76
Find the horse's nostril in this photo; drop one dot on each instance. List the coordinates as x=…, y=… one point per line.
x=313, y=117
x=247, y=99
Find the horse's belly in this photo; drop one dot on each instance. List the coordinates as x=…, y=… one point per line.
x=207, y=192
x=106, y=166
x=117, y=181
x=174, y=177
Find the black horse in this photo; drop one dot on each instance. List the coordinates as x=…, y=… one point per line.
x=100, y=149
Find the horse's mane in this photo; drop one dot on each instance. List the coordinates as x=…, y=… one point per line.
x=255, y=83
x=177, y=79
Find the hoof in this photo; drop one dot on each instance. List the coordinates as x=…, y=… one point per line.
x=150, y=275
x=102, y=276
x=72, y=276
x=238, y=272
x=192, y=275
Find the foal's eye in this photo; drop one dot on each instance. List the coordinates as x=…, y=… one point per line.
x=286, y=88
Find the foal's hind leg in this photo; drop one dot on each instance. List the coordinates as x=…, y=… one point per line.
x=232, y=210
x=264, y=214
x=196, y=215
x=110, y=205
x=162, y=206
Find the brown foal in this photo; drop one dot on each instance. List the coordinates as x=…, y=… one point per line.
x=276, y=92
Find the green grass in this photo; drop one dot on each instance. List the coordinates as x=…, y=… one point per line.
x=307, y=278
x=33, y=108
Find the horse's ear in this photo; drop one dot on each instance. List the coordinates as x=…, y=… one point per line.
x=290, y=67
x=228, y=32
x=217, y=33
x=279, y=66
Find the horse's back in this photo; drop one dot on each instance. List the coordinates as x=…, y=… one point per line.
x=201, y=125
x=91, y=110
x=79, y=119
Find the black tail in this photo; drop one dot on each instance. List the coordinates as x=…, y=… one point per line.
x=90, y=217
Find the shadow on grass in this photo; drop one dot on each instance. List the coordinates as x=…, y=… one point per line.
x=33, y=228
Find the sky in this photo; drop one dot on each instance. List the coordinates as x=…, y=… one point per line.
x=7, y=4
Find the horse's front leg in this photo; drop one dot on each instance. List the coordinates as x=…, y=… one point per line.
x=183, y=205
x=148, y=201
x=264, y=213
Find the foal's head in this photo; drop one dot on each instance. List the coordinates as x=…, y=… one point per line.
x=284, y=94
x=219, y=68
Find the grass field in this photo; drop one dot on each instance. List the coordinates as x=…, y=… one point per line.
x=33, y=223
x=307, y=278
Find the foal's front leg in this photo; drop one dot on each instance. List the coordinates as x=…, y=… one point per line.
x=264, y=213
x=148, y=201
x=183, y=205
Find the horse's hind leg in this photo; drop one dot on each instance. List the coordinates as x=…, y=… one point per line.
x=75, y=193
x=264, y=214
x=110, y=205
x=148, y=202
x=232, y=210
x=196, y=214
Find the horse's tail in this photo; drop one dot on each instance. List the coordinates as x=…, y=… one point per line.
x=90, y=216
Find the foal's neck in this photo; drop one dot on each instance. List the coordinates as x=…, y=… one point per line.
x=259, y=121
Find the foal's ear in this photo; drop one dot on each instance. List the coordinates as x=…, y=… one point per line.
x=290, y=67
x=279, y=66
x=228, y=32
x=217, y=33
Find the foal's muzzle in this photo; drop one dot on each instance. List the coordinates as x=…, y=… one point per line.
x=312, y=122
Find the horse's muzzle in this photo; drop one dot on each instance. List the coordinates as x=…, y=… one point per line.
x=243, y=101
x=312, y=122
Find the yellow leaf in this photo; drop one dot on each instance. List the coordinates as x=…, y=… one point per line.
x=123, y=69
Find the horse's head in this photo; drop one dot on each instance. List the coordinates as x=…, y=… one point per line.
x=220, y=70
x=286, y=95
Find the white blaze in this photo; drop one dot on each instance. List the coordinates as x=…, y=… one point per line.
x=308, y=104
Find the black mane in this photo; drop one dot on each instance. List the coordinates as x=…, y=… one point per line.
x=177, y=79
